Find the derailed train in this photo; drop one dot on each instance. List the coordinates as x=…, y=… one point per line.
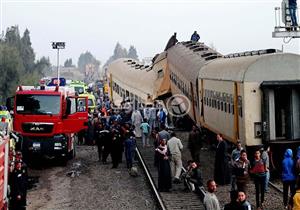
x=252, y=96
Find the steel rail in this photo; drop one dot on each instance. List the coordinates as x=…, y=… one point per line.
x=156, y=193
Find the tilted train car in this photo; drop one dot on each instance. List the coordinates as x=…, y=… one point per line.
x=184, y=62
x=140, y=83
x=130, y=80
x=252, y=96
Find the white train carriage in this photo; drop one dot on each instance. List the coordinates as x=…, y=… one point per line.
x=184, y=61
x=254, y=98
x=132, y=80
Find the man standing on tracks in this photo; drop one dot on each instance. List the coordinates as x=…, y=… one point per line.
x=175, y=147
x=210, y=200
x=221, y=174
x=137, y=120
x=195, y=144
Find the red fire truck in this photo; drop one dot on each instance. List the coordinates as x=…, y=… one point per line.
x=47, y=119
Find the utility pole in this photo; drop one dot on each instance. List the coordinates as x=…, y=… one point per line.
x=58, y=46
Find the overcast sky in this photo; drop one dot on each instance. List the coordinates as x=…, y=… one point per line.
x=96, y=25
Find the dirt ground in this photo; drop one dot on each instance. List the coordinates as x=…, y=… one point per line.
x=87, y=184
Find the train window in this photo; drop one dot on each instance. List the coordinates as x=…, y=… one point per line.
x=232, y=109
x=231, y=98
x=160, y=73
x=218, y=103
x=225, y=107
x=210, y=102
x=229, y=106
x=240, y=112
x=221, y=105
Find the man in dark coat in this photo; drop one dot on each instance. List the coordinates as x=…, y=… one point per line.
x=19, y=187
x=106, y=141
x=221, y=174
x=172, y=41
x=195, y=144
x=117, y=144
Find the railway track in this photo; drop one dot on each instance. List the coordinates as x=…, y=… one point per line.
x=275, y=187
x=178, y=198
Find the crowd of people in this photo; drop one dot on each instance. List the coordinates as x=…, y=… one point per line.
x=115, y=131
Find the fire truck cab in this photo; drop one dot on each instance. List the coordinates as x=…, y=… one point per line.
x=48, y=119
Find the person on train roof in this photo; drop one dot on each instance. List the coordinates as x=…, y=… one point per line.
x=195, y=37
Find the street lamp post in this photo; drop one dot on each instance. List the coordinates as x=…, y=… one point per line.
x=58, y=46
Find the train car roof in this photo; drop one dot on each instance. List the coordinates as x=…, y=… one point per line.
x=137, y=77
x=255, y=68
x=189, y=57
x=159, y=57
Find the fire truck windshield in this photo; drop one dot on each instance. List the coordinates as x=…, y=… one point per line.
x=38, y=104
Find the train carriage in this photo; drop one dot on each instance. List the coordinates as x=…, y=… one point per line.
x=184, y=62
x=130, y=80
x=253, y=98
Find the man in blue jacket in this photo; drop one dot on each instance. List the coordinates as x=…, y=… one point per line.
x=288, y=175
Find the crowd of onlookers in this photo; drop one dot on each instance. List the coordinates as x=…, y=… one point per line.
x=115, y=130
x=237, y=170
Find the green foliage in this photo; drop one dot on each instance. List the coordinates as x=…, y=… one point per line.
x=42, y=66
x=27, y=53
x=132, y=53
x=17, y=62
x=11, y=67
x=68, y=63
x=86, y=59
x=120, y=52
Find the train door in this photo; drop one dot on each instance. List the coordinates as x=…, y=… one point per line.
x=280, y=112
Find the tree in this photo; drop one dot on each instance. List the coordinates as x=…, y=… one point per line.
x=85, y=59
x=132, y=53
x=42, y=65
x=27, y=53
x=89, y=65
x=68, y=63
x=11, y=68
x=120, y=52
x=17, y=62
x=12, y=37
